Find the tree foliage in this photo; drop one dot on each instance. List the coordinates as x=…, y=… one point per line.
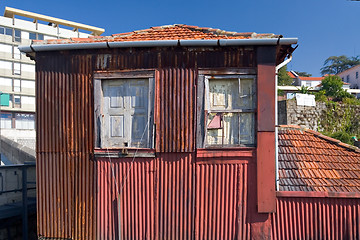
x=283, y=77
x=338, y=64
x=303, y=74
x=332, y=87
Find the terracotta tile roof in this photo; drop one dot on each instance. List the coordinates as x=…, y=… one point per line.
x=311, y=78
x=310, y=161
x=167, y=32
x=291, y=74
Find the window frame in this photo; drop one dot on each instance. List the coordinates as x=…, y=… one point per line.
x=99, y=78
x=202, y=108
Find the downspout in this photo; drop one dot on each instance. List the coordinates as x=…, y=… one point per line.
x=277, y=121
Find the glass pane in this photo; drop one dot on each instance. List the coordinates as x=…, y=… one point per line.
x=17, y=54
x=17, y=69
x=5, y=120
x=225, y=94
x=8, y=31
x=17, y=86
x=40, y=36
x=17, y=35
x=247, y=94
x=32, y=36
x=235, y=129
x=2, y=30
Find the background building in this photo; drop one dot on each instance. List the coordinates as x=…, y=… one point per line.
x=17, y=72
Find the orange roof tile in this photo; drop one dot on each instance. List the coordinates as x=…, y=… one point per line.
x=167, y=32
x=311, y=78
x=321, y=163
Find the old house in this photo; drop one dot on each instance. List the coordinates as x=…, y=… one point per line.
x=163, y=133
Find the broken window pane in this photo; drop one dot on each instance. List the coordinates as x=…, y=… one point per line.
x=231, y=111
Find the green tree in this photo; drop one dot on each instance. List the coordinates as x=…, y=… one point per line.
x=335, y=65
x=304, y=90
x=303, y=74
x=332, y=85
x=283, y=77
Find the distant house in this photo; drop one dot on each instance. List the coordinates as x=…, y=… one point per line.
x=351, y=76
x=311, y=82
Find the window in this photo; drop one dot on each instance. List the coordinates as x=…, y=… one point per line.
x=16, y=101
x=24, y=121
x=5, y=120
x=230, y=105
x=17, y=85
x=308, y=84
x=16, y=68
x=124, y=113
x=36, y=36
x=347, y=78
x=357, y=75
x=16, y=52
x=17, y=35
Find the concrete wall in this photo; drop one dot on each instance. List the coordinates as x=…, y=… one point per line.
x=15, y=152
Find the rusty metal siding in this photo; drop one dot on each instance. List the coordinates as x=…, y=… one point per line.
x=66, y=173
x=175, y=205
x=221, y=202
x=156, y=198
x=64, y=144
x=175, y=96
x=316, y=218
x=135, y=182
x=171, y=197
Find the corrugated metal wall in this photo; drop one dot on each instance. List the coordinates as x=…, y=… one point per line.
x=171, y=197
x=67, y=179
x=175, y=103
x=65, y=173
x=316, y=218
x=221, y=202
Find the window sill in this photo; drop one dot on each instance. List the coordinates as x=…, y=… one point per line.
x=124, y=153
x=225, y=155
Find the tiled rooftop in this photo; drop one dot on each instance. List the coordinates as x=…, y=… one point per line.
x=311, y=78
x=310, y=161
x=167, y=32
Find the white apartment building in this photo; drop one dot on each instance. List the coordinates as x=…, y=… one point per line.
x=17, y=72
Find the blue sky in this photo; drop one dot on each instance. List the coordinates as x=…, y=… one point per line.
x=324, y=27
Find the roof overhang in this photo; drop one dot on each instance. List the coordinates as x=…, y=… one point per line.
x=159, y=43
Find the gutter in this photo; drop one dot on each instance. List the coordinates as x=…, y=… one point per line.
x=160, y=43
x=277, y=121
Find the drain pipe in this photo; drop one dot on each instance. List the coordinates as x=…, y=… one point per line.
x=277, y=122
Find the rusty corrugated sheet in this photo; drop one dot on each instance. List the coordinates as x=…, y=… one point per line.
x=221, y=202
x=65, y=172
x=135, y=183
x=316, y=218
x=171, y=197
x=156, y=197
x=176, y=185
x=175, y=98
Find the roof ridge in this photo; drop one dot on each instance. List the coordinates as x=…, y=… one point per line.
x=320, y=135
